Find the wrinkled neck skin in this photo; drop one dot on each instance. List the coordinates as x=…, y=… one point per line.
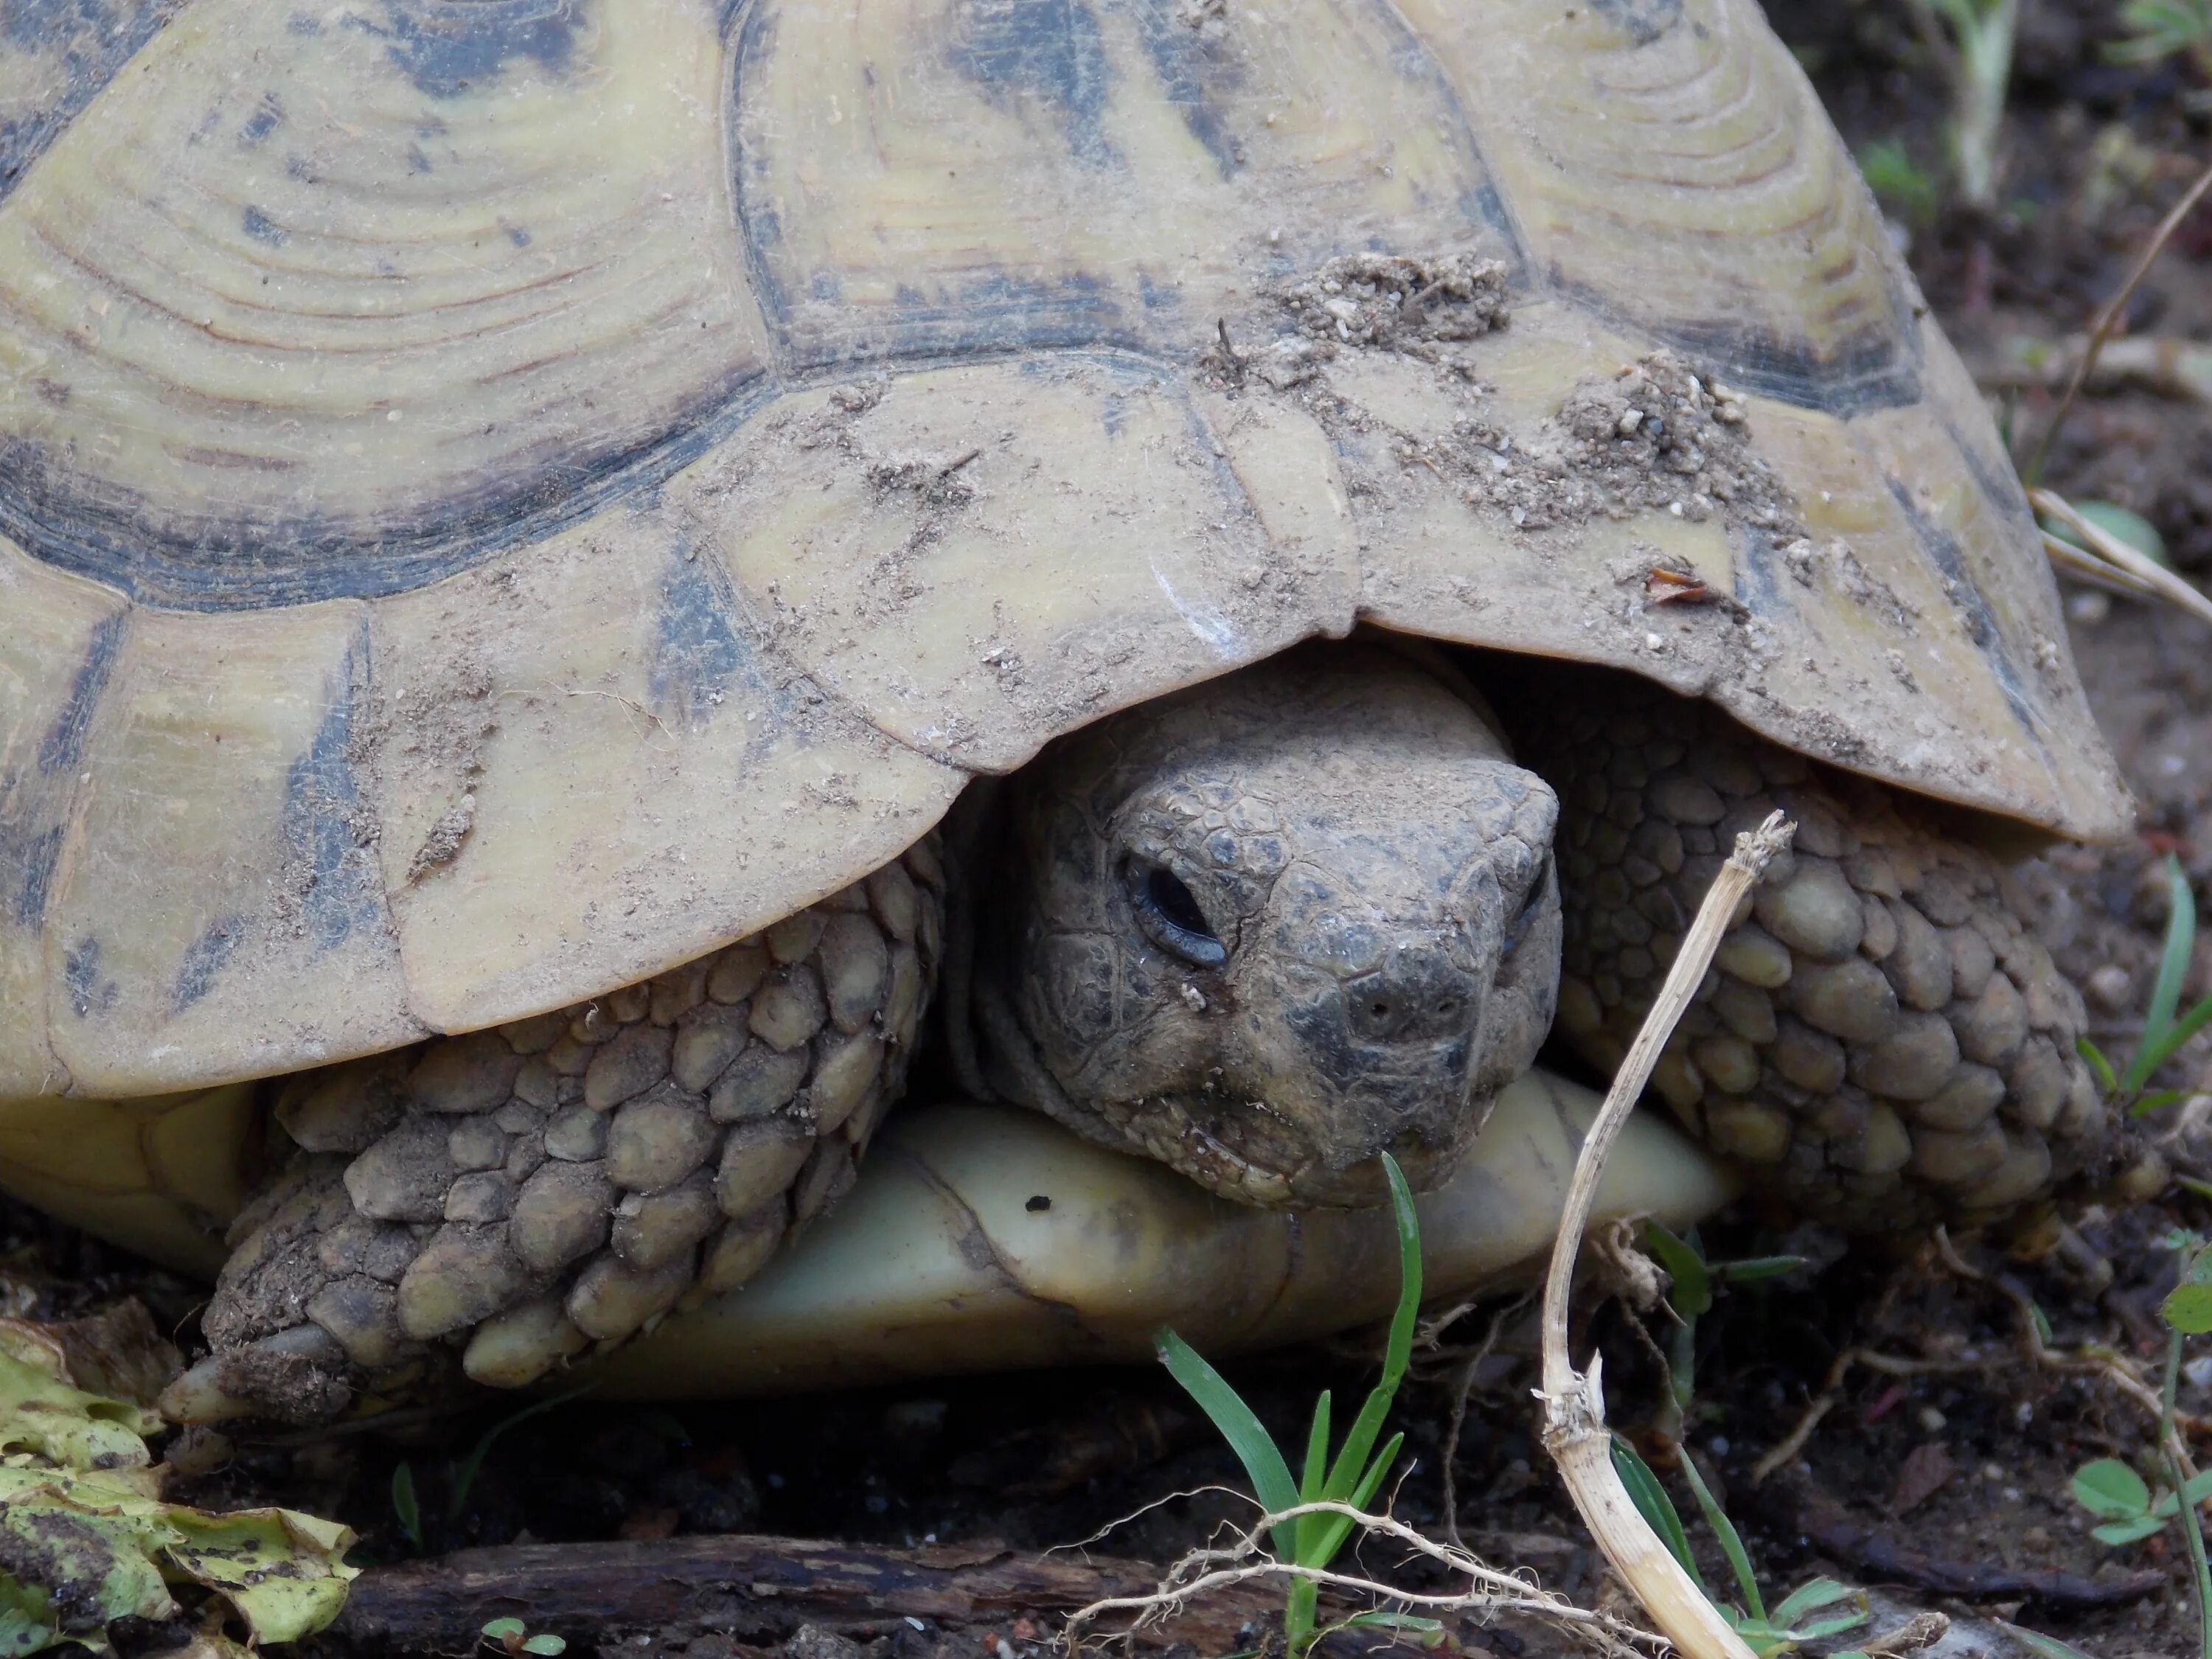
x=1269, y=927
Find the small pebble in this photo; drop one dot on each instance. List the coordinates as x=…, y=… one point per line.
x=1719, y=1444
x=1931, y=1420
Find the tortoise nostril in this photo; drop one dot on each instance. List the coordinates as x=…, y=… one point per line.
x=1417, y=995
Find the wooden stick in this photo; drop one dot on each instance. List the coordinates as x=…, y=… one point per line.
x=753, y=1588
x=1574, y=1432
x=2101, y=328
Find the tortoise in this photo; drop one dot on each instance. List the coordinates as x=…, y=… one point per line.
x=581, y=577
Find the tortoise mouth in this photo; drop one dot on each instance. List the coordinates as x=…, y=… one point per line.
x=1254, y=1155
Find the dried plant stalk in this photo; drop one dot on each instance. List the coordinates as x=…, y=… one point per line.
x=2144, y=574
x=1574, y=1432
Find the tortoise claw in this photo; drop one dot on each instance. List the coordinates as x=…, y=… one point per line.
x=301, y=1374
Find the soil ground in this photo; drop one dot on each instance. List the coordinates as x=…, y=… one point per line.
x=1942, y=1467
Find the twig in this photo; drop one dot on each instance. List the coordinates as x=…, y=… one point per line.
x=2154, y=578
x=2110, y=315
x=1463, y=1385
x=1831, y=1394
x=1574, y=1432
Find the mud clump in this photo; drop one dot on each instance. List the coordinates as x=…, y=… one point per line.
x=1658, y=436
x=1388, y=301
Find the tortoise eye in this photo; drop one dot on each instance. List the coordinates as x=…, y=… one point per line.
x=1169, y=916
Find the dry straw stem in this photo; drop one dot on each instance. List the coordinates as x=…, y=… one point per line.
x=1574, y=1433
x=2114, y=558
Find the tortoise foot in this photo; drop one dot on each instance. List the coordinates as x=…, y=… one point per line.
x=1882, y=1035
x=498, y=1204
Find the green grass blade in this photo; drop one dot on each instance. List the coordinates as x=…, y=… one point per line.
x=1330, y=1537
x=1657, y=1509
x=2049, y=1646
x=1725, y=1529
x=1262, y=1462
x=2182, y=1029
x=1359, y=1445
x=1810, y=1597
x=1756, y=1269
x=2173, y=966
x=1315, y=1476
x=2108, y=1081
x=406, y=1507
x=465, y=1472
x=1693, y=1291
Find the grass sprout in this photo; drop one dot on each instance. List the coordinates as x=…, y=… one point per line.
x=2164, y=1028
x=1352, y=1477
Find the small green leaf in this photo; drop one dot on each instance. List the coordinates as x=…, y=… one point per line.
x=2184, y=1028
x=406, y=1505
x=2116, y=521
x=500, y=1629
x=546, y=1643
x=2110, y=1488
x=1657, y=1509
x=1725, y=1529
x=2189, y=1309
x=1263, y=1463
x=1351, y=1457
x=1820, y=1629
x=2144, y=1105
x=2108, y=1081
x=1429, y=1632
x=2049, y=1646
x=1752, y=1270
x=2172, y=967
x=2196, y=1490
x=2126, y=1532
x=1810, y=1597
x=2042, y=1323
x=1692, y=1294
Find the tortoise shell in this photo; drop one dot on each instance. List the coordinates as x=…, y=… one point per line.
x=498, y=497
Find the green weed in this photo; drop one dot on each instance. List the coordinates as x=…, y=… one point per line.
x=2164, y=1031
x=2109, y=1488
x=511, y=1637
x=1767, y=1632
x=1352, y=1476
x=1898, y=182
x=2158, y=29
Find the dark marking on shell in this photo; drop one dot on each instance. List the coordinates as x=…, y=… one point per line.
x=267, y=116
x=326, y=821
x=205, y=957
x=696, y=653
x=92, y=39
x=1973, y=610
x=63, y=747
x=1193, y=64
x=1755, y=589
x=38, y=859
x=132, y=544
x=262, y=229
x=89, y=992
x=1642, y=21
x=1051, y=52
x=447, y=47
x=1879, y=369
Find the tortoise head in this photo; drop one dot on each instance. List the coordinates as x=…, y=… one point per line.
x=1271, y=927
